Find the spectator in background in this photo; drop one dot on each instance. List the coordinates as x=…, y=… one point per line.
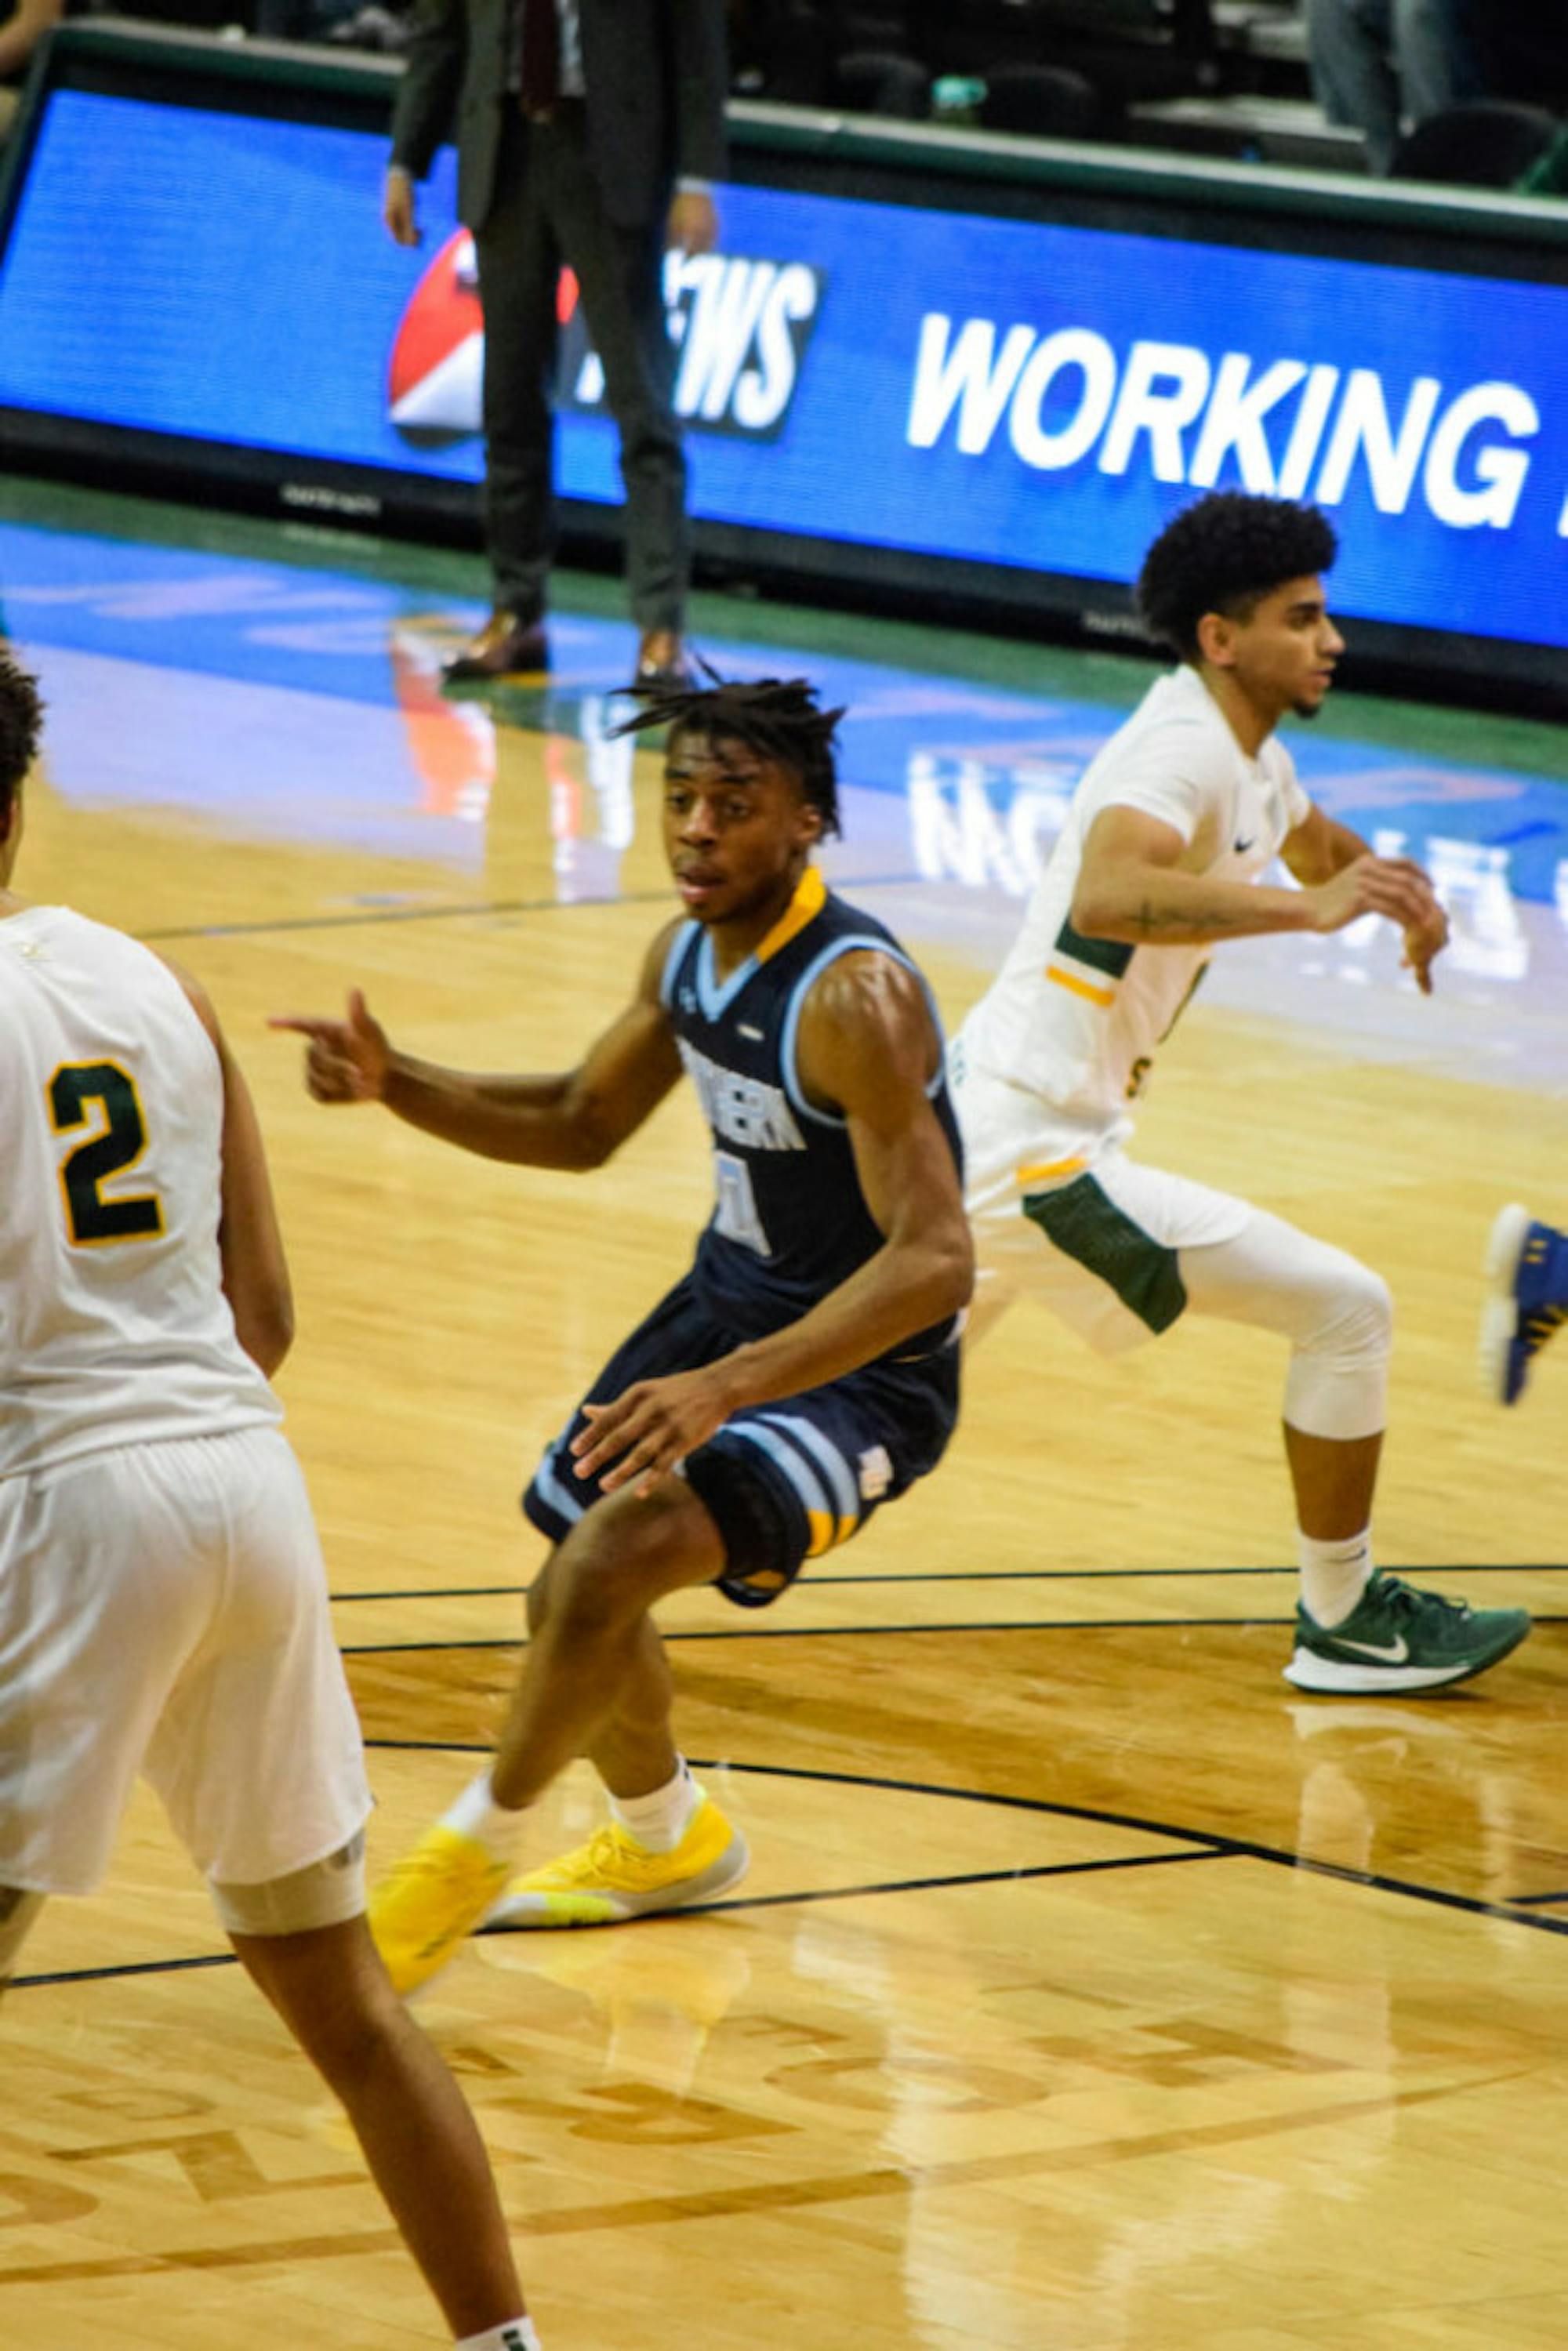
x=1381, y=66
x=588, y=133
x=23, y=24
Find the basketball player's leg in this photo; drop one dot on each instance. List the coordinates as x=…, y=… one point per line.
x=1356, y=1631
x=257, y=1757
x=594, y=1680
x=1338, y=1318
x=632, y=1749
x=774, y=1486
x=1131, y=1250
x=416, y=2130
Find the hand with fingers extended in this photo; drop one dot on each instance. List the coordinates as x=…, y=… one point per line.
x=648, y=1429
x=345, y=1060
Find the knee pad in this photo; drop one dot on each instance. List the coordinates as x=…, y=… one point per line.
x=326, y=1894
x=1338, y=1382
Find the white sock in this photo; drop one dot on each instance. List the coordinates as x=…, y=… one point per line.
x=494, y=1826
x=512, y=2335
x=660, y=1820
x=1333, y=1576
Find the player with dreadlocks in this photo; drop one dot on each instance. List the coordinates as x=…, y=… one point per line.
x=804, y=1371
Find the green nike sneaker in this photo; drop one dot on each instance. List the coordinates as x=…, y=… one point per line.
x=1396, y=1639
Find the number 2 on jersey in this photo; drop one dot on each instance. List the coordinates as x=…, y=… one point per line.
x=118, y=1143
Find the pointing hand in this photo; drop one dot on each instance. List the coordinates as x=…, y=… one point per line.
x=345, y=1060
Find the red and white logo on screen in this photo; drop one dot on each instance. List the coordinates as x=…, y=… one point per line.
x=435, y=375
x=740, y=325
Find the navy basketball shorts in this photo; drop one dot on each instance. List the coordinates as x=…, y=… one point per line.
x=782, y=1482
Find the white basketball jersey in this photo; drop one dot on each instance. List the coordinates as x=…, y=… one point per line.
x=114, y=1329
x=1075, y=1022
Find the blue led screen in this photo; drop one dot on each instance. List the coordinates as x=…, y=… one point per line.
x=1007, y=392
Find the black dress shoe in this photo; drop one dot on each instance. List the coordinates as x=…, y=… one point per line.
x=504, y=647
x=662, y=664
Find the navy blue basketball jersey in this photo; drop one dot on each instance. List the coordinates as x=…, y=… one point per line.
x=790, y=1220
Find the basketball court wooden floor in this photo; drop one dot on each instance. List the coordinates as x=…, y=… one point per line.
x=1092, y=1990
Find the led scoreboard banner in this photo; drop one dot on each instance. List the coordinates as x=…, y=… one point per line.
x=942, y=365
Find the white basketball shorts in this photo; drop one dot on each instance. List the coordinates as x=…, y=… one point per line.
x=1091, y=1233
x=1119, y=1252
x=164, y=1609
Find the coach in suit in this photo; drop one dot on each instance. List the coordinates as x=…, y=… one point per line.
x=588, y=131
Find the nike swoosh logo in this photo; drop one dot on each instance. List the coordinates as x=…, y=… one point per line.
x=1393, y=1653
x=1243, y=846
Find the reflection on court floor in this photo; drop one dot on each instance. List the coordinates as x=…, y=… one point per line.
x=1091, y=1992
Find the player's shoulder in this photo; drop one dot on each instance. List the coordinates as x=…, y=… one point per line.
x=869, y=985
x=1176, y=740
x=64, y=933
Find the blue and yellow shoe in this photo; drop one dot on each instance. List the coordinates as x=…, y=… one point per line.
x=423, y=1913
x=1527, y=1300
x=612, y=1877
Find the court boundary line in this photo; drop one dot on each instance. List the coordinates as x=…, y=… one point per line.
x=991, y=1575
x=1209, y=1846
x=366, y=917
x=953, y=1883
x=883, y=1632
x=1211, y=1840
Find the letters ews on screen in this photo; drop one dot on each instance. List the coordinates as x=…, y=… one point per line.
x=1291, y=428
x=740, y=326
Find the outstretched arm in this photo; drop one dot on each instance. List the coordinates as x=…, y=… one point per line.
x=1132, y=887
x=867, y=1047
x=573, y=1120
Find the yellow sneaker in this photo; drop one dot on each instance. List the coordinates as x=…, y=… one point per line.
x=612, y=1877
x=421, y=1916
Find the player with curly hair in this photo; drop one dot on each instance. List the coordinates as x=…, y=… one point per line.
x=1163, y=857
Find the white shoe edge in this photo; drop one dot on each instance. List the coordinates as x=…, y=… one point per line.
x=1505, y=1247
x=1329, y=1677
x=521, y=1908
x=1500, y=1314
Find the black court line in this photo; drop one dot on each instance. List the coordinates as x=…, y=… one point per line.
x=933, y=1575
x=130, y=1967
x=1205, y=1845
x=917, y=1884
x=367, y=917
x=979, y=1575
x=868, y=1631
x=693, y=1910
x=889, y=1631
x=1207, y=1839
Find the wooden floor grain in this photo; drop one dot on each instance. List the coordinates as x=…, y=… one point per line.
x=1093, y=1989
